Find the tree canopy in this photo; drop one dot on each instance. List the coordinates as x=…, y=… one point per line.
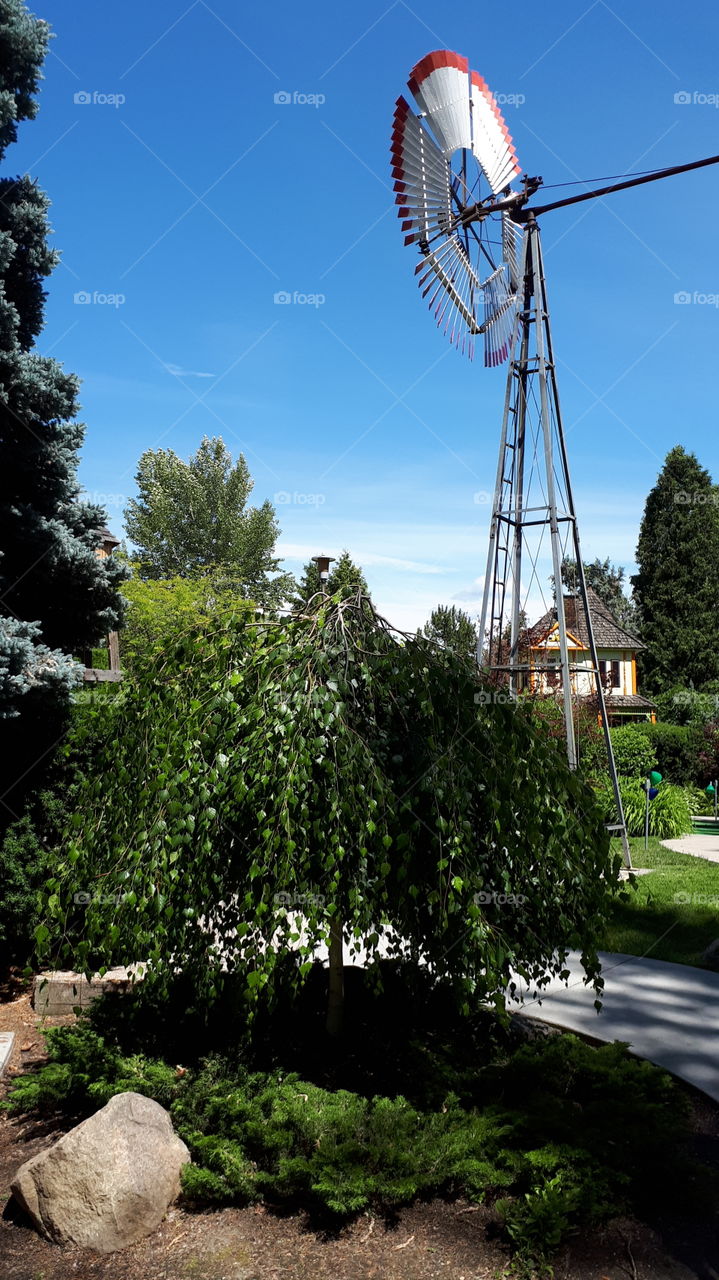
x=160, y=611
x=268, y=783
x=608, y=581
x=24, y=45
x=453, y=629
x=677, y=586
x=193, y=517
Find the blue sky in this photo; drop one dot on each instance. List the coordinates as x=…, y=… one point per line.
x=199, y=197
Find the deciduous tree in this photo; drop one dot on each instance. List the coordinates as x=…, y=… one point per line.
x=278, y=785
x=193, y=517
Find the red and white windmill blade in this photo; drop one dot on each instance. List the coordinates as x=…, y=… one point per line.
x=439, y=157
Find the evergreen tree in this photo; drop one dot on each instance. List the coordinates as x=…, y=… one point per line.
x=346, y=577
x=608, y=581
x=677, y=586
x=192, y=517
x=453, y=629
x=308, y=586
x=57, y=597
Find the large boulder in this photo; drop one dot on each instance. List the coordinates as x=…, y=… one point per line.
x=109, y=1181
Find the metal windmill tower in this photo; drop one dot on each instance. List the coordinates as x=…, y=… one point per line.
x=481, y=270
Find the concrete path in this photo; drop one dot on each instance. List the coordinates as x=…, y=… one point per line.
x=700, y=846
x=6, y=1043
x=667, y=1013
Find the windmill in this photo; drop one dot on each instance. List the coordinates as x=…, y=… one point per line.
x=481, y=270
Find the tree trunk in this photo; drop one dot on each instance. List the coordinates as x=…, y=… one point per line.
x=336, y=995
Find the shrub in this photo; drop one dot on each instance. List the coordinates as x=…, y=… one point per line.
x=602, y=1105
x=334, y=1151
x=23, y=866
x=677, y=749
x=567, y=1133
x=27, y=846
x=85, y=1071
x=670, y=812
x=634, y=753
x=708, y=753
x=686, y=706
x=162, y=610
x=699, y=802
x=539, y=1222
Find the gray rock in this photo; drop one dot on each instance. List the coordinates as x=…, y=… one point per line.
x=109, y=1181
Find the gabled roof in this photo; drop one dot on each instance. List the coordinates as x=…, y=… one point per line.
x=607, y=632
x=104, y=536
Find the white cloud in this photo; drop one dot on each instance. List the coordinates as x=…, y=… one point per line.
x=304, y=552
x=471, y=593
x=178, y=371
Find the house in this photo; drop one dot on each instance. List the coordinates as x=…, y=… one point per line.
x=616, y=654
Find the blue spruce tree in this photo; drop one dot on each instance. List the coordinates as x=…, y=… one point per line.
x=57, y=598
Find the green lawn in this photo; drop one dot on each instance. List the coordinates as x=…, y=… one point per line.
x=653, y=920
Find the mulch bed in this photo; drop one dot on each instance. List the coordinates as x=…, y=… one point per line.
x=453, y=1241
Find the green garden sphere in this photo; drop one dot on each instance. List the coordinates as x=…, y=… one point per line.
x=655, y=778
x=710, y=789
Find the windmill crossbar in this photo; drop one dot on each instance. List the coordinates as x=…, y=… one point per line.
x=520, y=520
x=529, y=667
x=516, y=204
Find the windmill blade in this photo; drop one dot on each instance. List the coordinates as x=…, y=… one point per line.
x=500, y=312
x=491, y=142
x=512, y=239
x=422, y=178
x=447, y=275
x=441, y=88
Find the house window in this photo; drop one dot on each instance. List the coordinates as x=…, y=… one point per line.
x=610, y=673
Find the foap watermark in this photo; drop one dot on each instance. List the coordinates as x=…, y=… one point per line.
x=487, y=896
x=695, y=98
x=286, y=499
x=683, y=498
x=95, y=98
x=298, y=98
x=684, y=299
x=510, y=99
x=83, y=298
x=696, y=899
x=690, y=698
x=481, y=498
x=494, y=697
x=296, y=901
x=105, y=899
x=101, y=499
x=283, y=298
